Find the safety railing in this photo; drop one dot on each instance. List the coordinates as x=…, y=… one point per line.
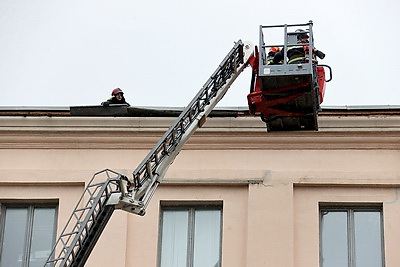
x=86, y=222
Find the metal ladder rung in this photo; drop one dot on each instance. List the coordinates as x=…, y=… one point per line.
x=68, y=234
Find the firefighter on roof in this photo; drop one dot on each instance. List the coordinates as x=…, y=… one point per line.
x=117, y=97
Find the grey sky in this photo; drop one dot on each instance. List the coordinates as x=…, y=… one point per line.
x=71, y=53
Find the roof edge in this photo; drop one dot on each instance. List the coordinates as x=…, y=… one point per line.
x=150, y=111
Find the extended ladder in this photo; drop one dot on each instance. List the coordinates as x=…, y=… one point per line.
x=100, y=199
x=87, y=221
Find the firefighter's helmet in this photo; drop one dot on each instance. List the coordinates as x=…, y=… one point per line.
x=116, y=91
x=274, y=49
x=301, y=35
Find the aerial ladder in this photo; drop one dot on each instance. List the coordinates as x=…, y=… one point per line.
x=273, y=87
x=287, y=94
x=109, y=190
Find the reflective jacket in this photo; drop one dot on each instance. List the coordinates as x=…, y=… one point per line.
x=297, y=54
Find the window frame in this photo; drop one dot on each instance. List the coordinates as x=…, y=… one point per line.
x=350, y=209
x=31, y=206
x=191, y=207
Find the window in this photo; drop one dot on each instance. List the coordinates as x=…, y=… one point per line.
x=351, y=237
x=27, y=234
x=190, y=236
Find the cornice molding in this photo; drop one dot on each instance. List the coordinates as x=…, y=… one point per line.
x=217, y=134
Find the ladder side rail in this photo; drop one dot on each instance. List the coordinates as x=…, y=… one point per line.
x=217, y=87
x=67, y=244
x=86, y=248
x=191, y=111
x=184, y=114
x=69, y=222
x=99, y=219
x=74, y=224
x=78, y=205
x=65, y=237
x=75, y=246
x=176, y=130
x=77, y=214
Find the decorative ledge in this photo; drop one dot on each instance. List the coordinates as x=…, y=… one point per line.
x=218, y=133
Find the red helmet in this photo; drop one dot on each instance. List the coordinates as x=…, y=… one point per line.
x=116, y=91
x=274, y=49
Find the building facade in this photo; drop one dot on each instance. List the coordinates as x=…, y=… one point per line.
x=235, y=196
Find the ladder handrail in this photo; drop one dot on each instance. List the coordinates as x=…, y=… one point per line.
x=74, y=231
x=147, y=168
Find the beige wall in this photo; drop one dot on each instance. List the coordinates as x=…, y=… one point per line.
x=306, y=201
x=270, y=184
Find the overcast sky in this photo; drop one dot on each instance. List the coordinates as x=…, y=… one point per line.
x=160, y=53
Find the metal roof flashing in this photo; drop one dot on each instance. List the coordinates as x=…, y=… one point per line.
x=142, y=111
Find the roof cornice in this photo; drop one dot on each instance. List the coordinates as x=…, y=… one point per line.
x=378, y=132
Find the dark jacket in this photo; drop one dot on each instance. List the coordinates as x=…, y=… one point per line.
x=296, y=52
x=113, y=100
x=292, y=52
